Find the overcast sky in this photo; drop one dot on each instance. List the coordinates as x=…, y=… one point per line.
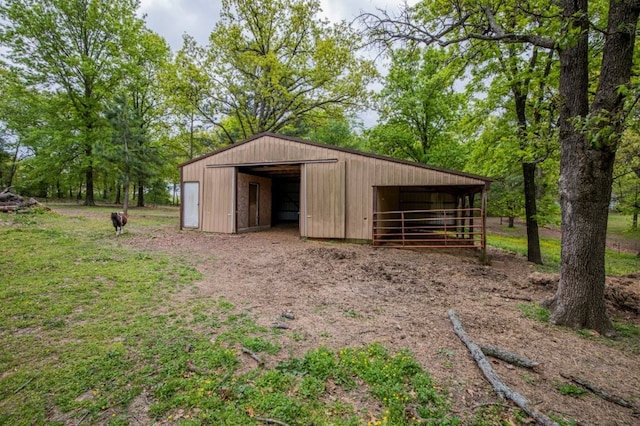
x=172, y=18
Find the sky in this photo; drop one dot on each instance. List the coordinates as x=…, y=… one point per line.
x=172, y=18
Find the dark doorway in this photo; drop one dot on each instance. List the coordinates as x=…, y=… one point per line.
x=286, y=200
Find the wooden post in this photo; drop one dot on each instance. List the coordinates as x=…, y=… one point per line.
x=483, y=238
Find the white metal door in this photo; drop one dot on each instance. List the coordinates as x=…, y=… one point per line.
x=190, y=200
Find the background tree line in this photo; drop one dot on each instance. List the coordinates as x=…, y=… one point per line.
x=93, y=104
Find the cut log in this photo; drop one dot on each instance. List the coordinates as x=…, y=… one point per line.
x=502, y=390
x=506, y=356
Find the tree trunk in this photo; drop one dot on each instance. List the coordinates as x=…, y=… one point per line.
x=125, y=206
x=140, y=193
x=531, y=210
x=89, y=200
x=520, y=92
x=586, y=161
x=634, y=220
x=512, y=222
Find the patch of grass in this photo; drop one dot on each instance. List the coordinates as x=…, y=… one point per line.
x=534, y=311
x=351, y=314
x=571, y=390
x=88, y=325
x=620, y=226
x=615, y=263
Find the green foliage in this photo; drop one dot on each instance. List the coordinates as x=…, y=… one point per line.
x=571, y=390
x=71, y=51
x=419, y=109
x=273, y=64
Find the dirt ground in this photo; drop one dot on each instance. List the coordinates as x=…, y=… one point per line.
x=352, y=294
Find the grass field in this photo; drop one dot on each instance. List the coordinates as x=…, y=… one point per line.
x=87, y=337
x=616, y=262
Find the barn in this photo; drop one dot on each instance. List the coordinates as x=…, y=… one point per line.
x=326, y=191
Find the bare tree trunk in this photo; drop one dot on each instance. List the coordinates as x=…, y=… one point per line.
x=531, y=211
x=89, y=200
x=125, y=206
x=512, y=222
x=586, y=161
x=140, y=193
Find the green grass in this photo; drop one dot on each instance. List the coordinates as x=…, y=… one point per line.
x=89, y=330
x=534, y=311
x=615, y=263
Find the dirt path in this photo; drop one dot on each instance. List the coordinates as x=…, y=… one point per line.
x=350, y=295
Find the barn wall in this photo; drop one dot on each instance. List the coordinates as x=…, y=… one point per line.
x=325, y=200
x=361, y=174
x=264, y=200
x=218, y=200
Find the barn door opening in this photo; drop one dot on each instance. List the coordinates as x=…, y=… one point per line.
x=254, y=206
x=190, y=202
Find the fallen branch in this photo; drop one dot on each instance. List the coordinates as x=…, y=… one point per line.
x=86, y=413
x=507, y=296
x=600, y=392
x=499, y=387
x=202, y=371
x=24, y=385
x=510, y=357
x=271, y=421
x=254, y=356
x=280, y=326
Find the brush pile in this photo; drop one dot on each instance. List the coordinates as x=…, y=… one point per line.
x=10, y=202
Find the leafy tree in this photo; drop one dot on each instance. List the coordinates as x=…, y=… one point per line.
x=127, y=140
x=273, y=63
x=627, y=177
x=590, y=122
x=146, y=56
x=71, y=47
x=187, y=87
x=418, y=103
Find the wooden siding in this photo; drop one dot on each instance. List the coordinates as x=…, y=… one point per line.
x=325, y=200
x=218, y=200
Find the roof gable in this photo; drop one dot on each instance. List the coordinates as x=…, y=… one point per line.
x=332, y=148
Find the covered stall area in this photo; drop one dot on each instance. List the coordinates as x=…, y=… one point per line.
x=429, y=216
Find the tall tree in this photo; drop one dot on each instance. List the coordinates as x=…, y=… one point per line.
x=590, y=127
x=419, y=96
x=146, y=56
x=71, y=47
x=274, y=63
x=522, y=85
x=187, y=86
